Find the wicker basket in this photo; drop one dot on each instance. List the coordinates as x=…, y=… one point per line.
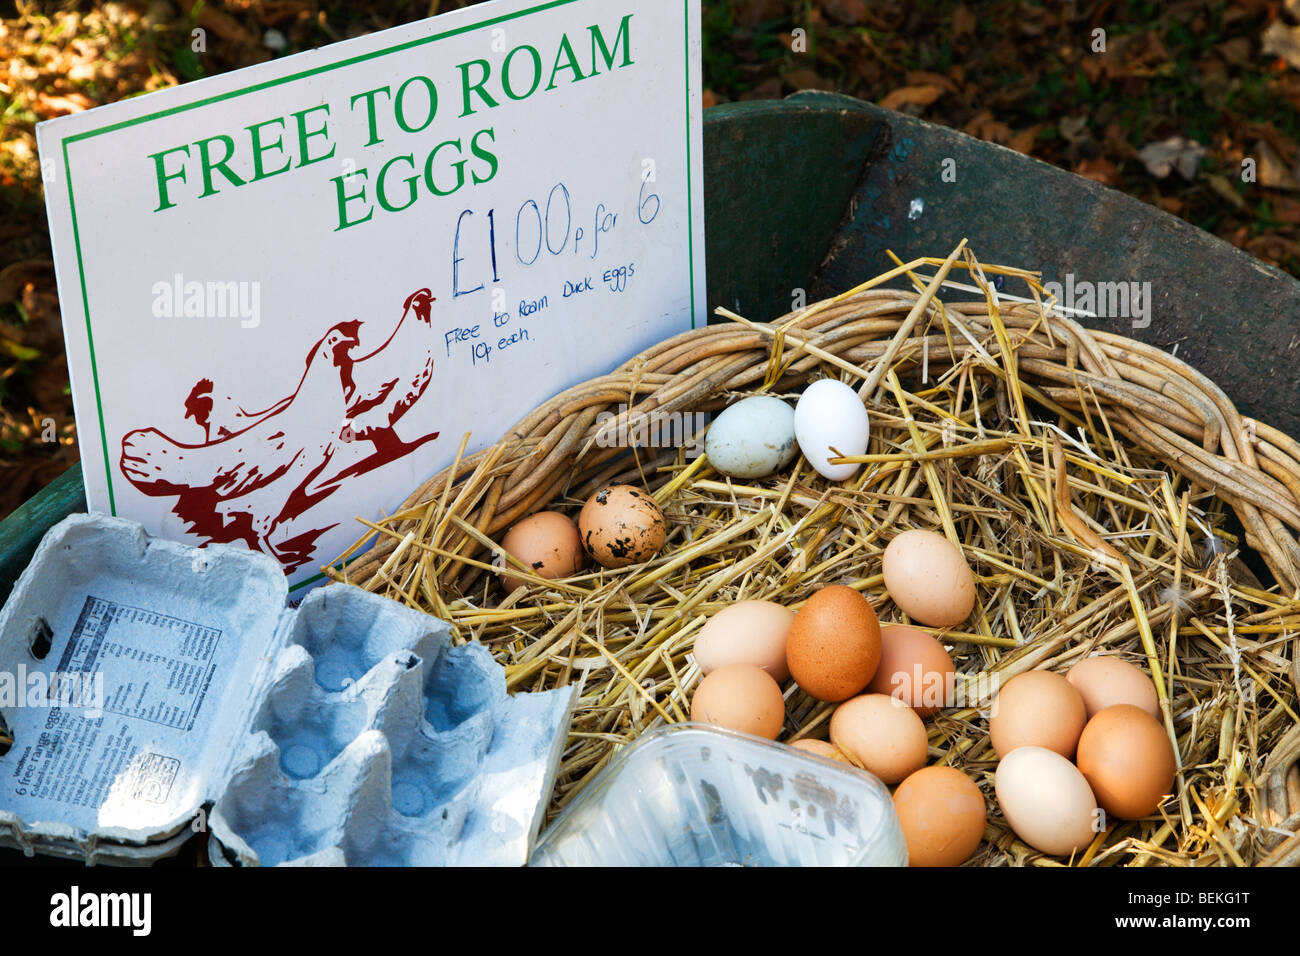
x=1242, y=801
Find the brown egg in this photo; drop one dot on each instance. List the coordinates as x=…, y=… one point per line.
x=747, y=632
x=1106, y=681
x=622, y=525
x=546, y=542
x=881, y=735
x=915, y=668
x=928, y=577
x=1037, y=709
x=822, y=749
x=742, y=697
x=1128, y=760
x=834, y=643
x=942, y=814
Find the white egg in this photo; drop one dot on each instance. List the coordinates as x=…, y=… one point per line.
x=752, y=438
x=1047, y=801
x=831, y=415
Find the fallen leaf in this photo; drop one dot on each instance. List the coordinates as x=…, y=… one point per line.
x=1023, y=142
x=1220, y=186
x=963, y=22
x=16, y=275
x=912, y=96
x=1100, y=170
x=848, y=12
x=985, y=127
x=926, y=78
x=1272, y=171
x=224, y=25
x=1273, y=248
x=21, y=352
x=1072, y=127
x=1286, y=210
x=1177, y=152
x=1282, y=40
x=50, y=106
x=1098, y=68
x=1235, y=51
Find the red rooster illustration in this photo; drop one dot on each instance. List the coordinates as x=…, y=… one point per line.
x=258, y=471
x=287, y=448
x=380, y=399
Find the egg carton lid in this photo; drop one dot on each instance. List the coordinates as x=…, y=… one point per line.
x=131, y=670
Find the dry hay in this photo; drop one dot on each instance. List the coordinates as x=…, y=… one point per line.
x=1096, y=485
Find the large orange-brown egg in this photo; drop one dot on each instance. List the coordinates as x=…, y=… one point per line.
x=1037, y=709
x=942, y=815
x=928, y=577
x=915, y=668
x=742, y=697
x=834, y=643
x=1128, y=760
x=1106, y=681
x=622, y=525
x=881, y=735
x=547, y=543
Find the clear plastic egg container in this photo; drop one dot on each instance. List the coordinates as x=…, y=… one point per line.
x=696, y=795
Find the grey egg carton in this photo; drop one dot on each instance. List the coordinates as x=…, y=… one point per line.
x=391, y=752
x=347, y=731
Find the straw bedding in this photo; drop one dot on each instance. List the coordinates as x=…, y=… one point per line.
x=1104, y=493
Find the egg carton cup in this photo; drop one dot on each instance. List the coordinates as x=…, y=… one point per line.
x=180, y=693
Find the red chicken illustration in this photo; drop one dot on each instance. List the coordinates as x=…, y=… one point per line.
x=220, y=416
x=287, y=447
x=380, y=398
x=258, y=471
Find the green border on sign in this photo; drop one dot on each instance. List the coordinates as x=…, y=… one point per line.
x=305, y=74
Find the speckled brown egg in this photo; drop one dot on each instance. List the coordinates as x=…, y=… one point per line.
x=622, y=525
x=915, y=668
x=942, y=814
x=1128, y=760
x=546, y=543
x=833, y=646
x=742, y=697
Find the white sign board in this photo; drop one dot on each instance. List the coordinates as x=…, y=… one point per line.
x=288, y=291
